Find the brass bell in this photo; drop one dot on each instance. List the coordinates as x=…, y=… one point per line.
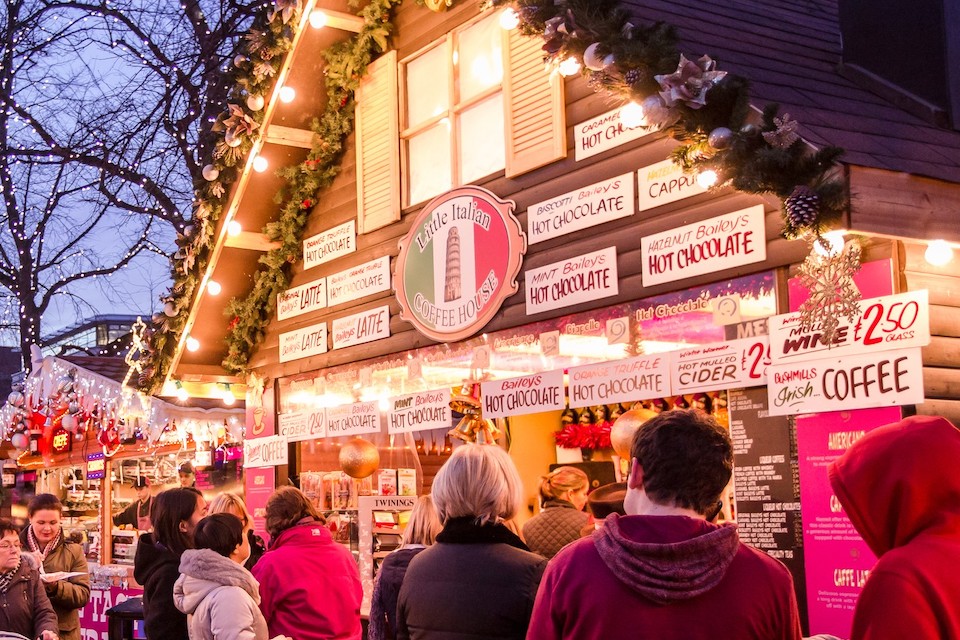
x=488, y=433
x=466, y=429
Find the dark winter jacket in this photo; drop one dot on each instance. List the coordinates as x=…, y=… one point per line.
x=899, y=486
x=66, y=596
x=475, y=582
x=664, y=577
x=157, y=569
x=257, y=549
x=24, y=606
x=556, y=526
x=132, y=514
x=383, y=602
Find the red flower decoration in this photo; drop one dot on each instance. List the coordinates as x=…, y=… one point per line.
x=584, y=436
x=233, y=323
x=306, y=204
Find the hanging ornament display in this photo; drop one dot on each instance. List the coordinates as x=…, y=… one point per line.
x=472, y=426
x=833, y=293
x=623, y=430
x=359, y=458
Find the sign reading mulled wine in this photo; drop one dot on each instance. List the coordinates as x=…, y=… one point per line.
x=458, y=263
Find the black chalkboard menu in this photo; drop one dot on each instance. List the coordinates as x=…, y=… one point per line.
x=766, y=483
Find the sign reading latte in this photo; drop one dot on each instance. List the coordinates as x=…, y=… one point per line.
x=458, y=263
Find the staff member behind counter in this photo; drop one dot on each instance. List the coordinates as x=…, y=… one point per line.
x=137, y=515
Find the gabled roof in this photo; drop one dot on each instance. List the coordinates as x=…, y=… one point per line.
x=790, y=51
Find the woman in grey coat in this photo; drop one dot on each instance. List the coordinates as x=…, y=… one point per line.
x=220, y=597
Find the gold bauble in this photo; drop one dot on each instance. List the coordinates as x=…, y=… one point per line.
x=359, y=458
x=621, y=433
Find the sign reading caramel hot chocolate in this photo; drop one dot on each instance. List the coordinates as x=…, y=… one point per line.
x=458, y=263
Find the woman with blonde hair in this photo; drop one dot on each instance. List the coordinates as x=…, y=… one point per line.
x=231, y=503
x=421, y=532
x=563, y=494
x=479, y=579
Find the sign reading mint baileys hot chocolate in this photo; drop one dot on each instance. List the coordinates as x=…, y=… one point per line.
x=458, y=263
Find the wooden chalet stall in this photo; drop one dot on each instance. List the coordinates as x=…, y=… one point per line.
x=628, y=271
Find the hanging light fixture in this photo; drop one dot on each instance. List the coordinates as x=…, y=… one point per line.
x=938, y=253
x=318, y=19
x=287, y=94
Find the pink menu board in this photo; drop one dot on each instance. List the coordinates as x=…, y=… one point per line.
x=837, y=560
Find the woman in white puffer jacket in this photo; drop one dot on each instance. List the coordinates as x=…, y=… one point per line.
x=220, y=597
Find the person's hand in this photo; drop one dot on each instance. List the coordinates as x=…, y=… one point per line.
x=49, y=635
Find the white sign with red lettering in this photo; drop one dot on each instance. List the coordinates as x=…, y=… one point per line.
x=419, y=412
x=527, y=394
x=665, y=182
x=881, y=379
x=733, y=364
x=602, y=133
x=303, y=299
x=302, y=425
x=898, y=321
x=366, y=326
x=353, y=419
x=720, y=243
x=627, y=380
x=302, y=343
x=588, y=277
x=332, y=243
x=265, y=452
x=580, y=209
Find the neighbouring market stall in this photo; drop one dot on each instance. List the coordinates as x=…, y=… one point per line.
x=527, y=287
x=86, y=439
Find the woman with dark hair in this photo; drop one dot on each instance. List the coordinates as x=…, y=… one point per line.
x=56, y=558
x=218, y=595
x=309, y=584
x=175, y=515
x=24, y=607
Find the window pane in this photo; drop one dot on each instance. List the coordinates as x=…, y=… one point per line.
x=427, y=86
x=481, y=139
x=481, y=58
x=429, y=160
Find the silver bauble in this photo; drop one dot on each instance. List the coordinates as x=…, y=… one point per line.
x=591, y=58
x=210, y=173
x=720, y=138
x=255, y=102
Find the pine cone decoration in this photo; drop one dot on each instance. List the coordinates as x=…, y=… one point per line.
x=632, y=76
x=802, y=207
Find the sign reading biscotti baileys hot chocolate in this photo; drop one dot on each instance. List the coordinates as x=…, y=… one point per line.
x=458, y=263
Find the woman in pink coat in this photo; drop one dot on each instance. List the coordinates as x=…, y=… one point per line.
x=309, y=584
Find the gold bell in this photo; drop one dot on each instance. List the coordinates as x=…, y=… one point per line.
x=488, y=433
x=466, y=429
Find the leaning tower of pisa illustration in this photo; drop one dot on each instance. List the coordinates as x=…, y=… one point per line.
x=451, y=284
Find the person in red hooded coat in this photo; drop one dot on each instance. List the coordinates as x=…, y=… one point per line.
x=899, y=486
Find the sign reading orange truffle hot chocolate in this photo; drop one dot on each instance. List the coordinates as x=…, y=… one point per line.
x=458, y=263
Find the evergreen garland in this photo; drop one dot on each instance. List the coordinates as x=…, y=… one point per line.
x=703, y=109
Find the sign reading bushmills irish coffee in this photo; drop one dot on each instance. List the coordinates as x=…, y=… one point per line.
x=458, y=263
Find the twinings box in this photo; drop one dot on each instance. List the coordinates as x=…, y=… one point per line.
x=406, y=482
x=387, y=482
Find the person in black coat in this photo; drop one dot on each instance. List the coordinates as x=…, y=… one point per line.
x=156, y=565
x=421, y=532
x=479, y=579
x=233, y=504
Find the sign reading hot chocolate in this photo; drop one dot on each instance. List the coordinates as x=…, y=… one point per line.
x=458, y=263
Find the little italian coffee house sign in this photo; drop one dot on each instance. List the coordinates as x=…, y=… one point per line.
x=458, y=263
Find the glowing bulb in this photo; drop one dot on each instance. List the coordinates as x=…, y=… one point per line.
x=833, y=241
x=509, y=19
x=192, y=344
x=228, y=397
x=938, y=253
x=318, y=19
x=214, y=288
x=631, y=115
x=287, y=94
x=707, y=179
x=260, y=164
x=234, y=228
x=569, y=67
x=182, y=394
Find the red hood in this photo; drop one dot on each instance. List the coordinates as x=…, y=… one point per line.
x=901, y=480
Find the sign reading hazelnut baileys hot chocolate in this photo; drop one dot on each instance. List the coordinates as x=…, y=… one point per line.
x=458, y=263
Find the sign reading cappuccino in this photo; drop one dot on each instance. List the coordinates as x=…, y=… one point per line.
x=665, y=182
x=458, y=263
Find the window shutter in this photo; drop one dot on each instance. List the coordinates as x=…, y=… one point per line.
x=533, y=100
x=378, y=139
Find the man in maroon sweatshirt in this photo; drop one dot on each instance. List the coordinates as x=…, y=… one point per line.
x=664, y=571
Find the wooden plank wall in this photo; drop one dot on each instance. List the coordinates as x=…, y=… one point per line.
x=415, y=29
x=941, y=359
